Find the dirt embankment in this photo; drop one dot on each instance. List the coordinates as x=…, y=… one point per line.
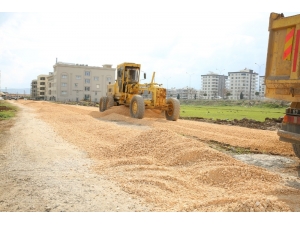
x=169, y=164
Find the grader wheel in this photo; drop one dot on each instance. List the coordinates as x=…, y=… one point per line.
x=173, y=110
x=137, y=107
x=102, y=104
x=296, y=148
x=110, y=102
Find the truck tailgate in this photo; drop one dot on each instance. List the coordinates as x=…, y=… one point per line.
x=282, y=67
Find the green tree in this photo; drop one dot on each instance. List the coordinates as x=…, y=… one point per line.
x=178, y=96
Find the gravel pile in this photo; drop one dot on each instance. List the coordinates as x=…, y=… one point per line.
x=167, y=164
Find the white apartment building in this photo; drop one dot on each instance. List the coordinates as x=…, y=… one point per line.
x=213, y=85
x=242, y=84
x=262, y=86
x=76, y=82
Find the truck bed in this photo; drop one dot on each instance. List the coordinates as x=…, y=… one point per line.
x=282, y=66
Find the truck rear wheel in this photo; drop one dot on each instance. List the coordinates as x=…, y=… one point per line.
x=137, y=107
x=102, y=104
x=172, y=113
x=296, y=148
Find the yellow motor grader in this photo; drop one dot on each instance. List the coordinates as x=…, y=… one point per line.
x=128, y=91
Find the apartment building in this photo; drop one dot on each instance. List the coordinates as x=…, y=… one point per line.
x=76, y=82
x=33, y=89
x=262, y=86
x=38, y=87
x=243, y=84
x=41, y=86
x=213, y=85
x=184, y=93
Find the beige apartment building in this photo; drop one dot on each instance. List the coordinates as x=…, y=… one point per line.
x=38, y=87
x=41, y=86
x=76, y=82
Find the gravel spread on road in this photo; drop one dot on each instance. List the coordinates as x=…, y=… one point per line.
x=169, y=164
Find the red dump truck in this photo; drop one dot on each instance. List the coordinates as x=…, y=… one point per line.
x=282, y=78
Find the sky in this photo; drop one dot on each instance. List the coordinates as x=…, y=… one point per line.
x=179, y=40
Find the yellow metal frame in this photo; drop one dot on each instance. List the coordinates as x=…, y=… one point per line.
x=158, y=100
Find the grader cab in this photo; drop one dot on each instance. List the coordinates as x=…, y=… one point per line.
x=128, y=91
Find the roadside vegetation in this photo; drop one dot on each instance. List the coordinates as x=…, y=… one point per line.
x=233, y=110
x=7, y=110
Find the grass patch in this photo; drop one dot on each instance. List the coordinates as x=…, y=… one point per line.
x=258, y=113
x=226, y=110
x=7, y=110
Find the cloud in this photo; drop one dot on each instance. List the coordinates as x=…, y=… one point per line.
x=173, y=40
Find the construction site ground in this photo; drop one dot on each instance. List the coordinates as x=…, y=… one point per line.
x=56, y=157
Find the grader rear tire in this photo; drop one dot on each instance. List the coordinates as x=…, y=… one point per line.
x=296, y=148
x=102, y=104
x=173, y=110
x=137, y=107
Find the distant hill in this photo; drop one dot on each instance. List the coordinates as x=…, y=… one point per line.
x=16, y=90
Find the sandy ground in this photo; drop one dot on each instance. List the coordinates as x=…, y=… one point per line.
x=159, y=165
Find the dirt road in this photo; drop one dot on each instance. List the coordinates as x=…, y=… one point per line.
x=155, y=164
x=42, y=172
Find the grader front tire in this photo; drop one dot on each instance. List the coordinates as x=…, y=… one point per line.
x=137, y=107
x=296, y=148
x=102, y=104
x=110, y=102
x=173, y=110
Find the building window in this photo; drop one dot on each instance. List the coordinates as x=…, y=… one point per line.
x=42, y=78
x=63, y=92
x=108, y=79
x=87, y=81
x=96, y=78
x=96, y=93
x=64, y=84
x=78, y=77
x=76, y=84
x=42, y=83
x=86, y=97
x=42, y=88
x=64, y=76
x=87, y=73
x=97, y=86
x=87, y=88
